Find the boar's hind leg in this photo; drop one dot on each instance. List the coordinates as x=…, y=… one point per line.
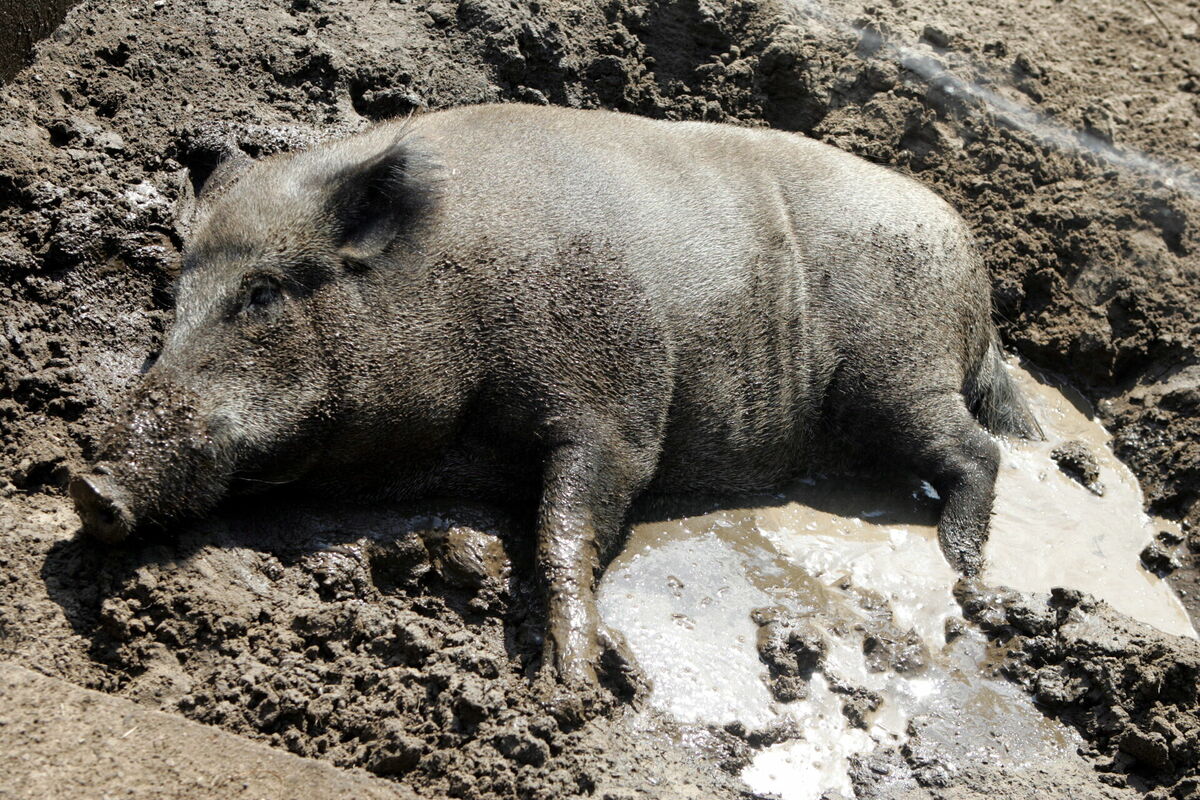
x=954, y=453
x=585, y=497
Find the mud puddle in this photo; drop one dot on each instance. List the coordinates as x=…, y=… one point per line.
x=820, y=623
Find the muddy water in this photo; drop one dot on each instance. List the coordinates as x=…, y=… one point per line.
x=860, y=564
x=1048, y=532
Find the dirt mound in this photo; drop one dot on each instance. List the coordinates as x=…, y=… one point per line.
x=1129, y=689
x=128, y=106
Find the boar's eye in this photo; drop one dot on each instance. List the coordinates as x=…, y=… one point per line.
x=261, y=292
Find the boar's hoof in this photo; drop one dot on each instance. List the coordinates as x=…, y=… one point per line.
x=606, y=663
x=621, y=668
x=104, y=516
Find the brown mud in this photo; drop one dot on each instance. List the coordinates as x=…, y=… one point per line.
x=59, y=740
x=1133, y=692
x=373, y=641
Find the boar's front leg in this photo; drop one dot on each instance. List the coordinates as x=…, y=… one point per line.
x=586, y=493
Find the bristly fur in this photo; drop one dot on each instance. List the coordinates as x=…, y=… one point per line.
x=573, y=308
x=994, y=400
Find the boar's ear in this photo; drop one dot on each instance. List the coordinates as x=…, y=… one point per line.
x=375, y=199
x=201, y=189
x=232, y=166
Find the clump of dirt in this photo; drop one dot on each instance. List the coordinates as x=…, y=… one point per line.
x=885, y=647
x=382, y=640
x=793, y=648
x=1077, y=463
x=1132, y=691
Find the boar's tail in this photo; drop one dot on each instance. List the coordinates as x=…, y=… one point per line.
x=994, y=399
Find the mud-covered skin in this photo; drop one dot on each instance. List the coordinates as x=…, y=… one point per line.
x=507, y=300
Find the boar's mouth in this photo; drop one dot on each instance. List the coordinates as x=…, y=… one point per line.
x=158, y=463
x=102, y=508
x=174, y=454
x=114, y=502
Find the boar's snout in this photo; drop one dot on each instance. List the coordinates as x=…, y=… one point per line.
x=165, y=458
x=102, y=508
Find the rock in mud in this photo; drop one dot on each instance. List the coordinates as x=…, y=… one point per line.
x=1077, y=463
x=1158, y=558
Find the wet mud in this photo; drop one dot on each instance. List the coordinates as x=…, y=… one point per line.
x=389, y=641
x=1130, y=690
x=404, y=643
x=837, y=586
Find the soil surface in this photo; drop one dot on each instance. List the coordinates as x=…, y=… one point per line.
x=58, y=740
x=1066, y=133
x=1131, y=691
x=25, y=23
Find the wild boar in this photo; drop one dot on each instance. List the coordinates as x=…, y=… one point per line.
x=568, y=308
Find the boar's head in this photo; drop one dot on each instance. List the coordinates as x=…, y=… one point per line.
x=273, y=315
